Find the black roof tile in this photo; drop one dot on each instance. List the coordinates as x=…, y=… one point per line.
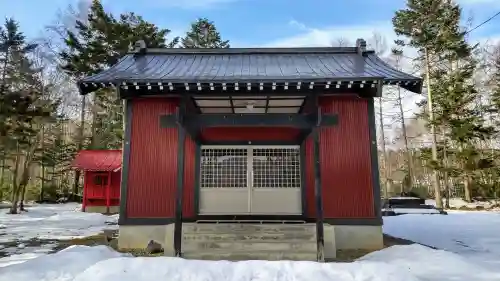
x=252, y=66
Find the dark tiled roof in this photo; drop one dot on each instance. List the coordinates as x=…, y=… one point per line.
x=98, y=160
x=252, y=66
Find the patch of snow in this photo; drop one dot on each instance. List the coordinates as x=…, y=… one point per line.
x=53, y=221
x=474, y=235
x=428, y=264
x=404, y=198
x=19, y=258
x=63, y=265
x=411, y=211
x=409, y=263
x=459, y=202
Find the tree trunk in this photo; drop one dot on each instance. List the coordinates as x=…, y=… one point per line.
x=467, y=192
x=435, y=175
x=409, y=163
x=21, y=202
x=2, y=175
x=81, y=132
x=445, y=176
x=15, y=186
x=387, y=183
x=22, y=186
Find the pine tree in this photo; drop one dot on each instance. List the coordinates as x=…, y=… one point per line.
x=203, y=34
x=98, y=44
x=22, y=110
x=431, y=27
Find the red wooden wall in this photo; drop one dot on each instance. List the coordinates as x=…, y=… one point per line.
x=152, y=173
x=188, y=207
x=95, y=195
x=344, y=149
x=345, y=159
x=152, y=176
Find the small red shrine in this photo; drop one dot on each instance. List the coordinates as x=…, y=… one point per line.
x=101, y=179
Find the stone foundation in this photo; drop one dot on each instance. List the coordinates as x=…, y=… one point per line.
x=102, y=209
x=138, y=237
x=337, y=237
x=350, y=237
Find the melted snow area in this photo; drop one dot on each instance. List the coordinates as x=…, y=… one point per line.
x=46, y=224
x=469, y=252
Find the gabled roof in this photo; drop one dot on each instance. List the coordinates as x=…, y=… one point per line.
x=247, y=67
x=98, y=160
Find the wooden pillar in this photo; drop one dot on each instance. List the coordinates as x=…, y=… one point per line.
x=180, y=180
x=108, y=192
x=84, y=193
x=317, y=190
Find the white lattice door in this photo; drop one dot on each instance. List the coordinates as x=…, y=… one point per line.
x=250, y=180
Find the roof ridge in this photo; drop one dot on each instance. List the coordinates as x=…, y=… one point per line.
x=236, y=51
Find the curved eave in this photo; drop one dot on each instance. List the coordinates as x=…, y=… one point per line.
x=235, y=71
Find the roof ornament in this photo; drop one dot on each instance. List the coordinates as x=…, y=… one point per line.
x=140, y=47
x=361, y=46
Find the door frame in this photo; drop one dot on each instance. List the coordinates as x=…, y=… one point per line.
x=300, y=148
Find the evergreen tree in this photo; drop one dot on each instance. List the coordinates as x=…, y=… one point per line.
x=22, y=108
x=101, y=41
x=96, y=45
x=431, y=26
x=203, y=34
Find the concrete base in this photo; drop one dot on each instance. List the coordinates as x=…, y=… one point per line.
x=233, y=241
x=351, y=237
x=138, y=237
x=209, y=236
x=102, y=209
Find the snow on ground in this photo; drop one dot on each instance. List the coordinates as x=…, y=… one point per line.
x=411, y=211
x=52, y=221
x=47, y=223
x=468, y=241
x=459, y=202
x=474, y=235
x=409, y=263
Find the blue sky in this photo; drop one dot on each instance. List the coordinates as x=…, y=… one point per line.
x=259, y=22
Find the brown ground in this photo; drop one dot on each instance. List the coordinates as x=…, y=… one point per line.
x=352, y=255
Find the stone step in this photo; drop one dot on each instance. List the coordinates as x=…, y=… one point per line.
x=222, y=237
x=241, y=256
x=235, y=241
x=239, y=246
x=248, y=228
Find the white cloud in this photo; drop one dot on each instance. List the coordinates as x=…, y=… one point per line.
x=188, y=4
x=328, y=36
x=476, y=2
x=317, y=37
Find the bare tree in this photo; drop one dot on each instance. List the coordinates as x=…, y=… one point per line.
x=341, y=42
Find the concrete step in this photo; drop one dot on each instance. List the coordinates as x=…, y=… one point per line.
x=242, y=256
x=247, y=228
x=222, y=237
x=245, y=246
x=234, y=241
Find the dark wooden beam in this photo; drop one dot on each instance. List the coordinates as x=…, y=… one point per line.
x=127, y=121
x=372, y=130
x=318, y=190
x=275, y=120
x=180, y=180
